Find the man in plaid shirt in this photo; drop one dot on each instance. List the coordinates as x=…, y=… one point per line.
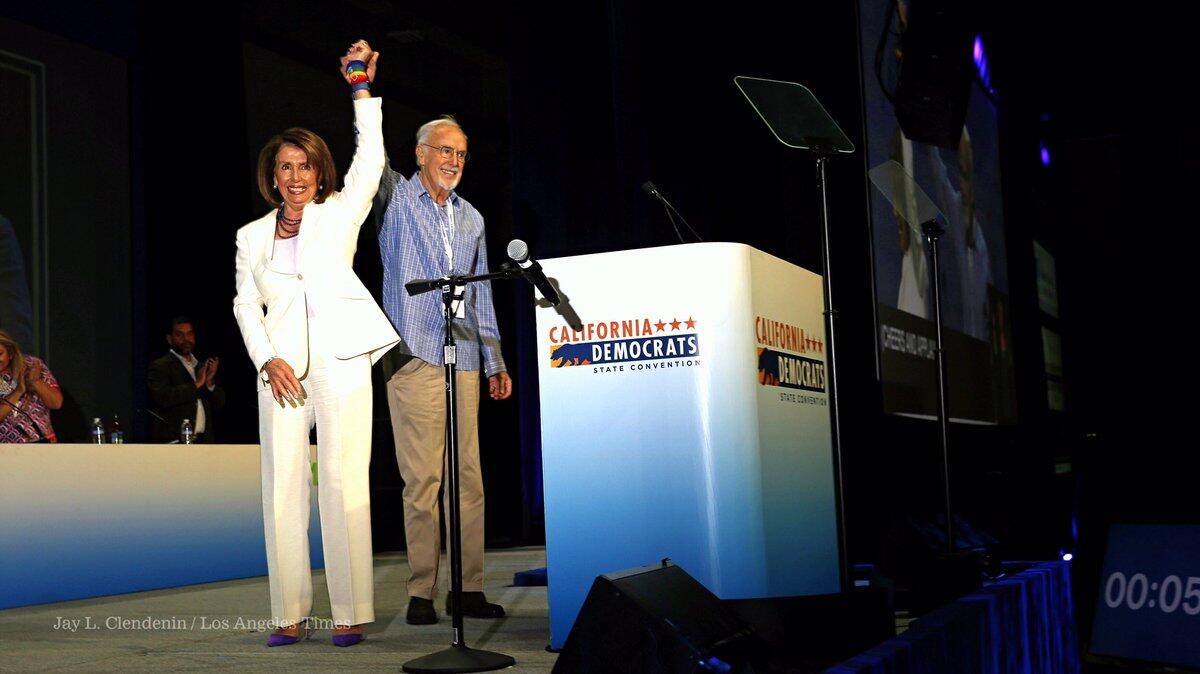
x=428, y=231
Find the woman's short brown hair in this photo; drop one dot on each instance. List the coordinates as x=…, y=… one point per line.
x=318, y=156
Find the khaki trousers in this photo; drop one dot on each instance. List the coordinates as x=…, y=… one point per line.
x=417, y=401
x=339, y=403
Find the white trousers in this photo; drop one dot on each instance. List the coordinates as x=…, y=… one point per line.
x=339, y=403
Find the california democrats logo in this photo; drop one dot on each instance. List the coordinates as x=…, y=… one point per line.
x=778, y=367
x=609, y=345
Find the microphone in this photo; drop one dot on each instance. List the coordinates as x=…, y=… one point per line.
x=36, y=426
x=649, y=188
x=425, y=285
x=161, y=418
x=518, y=251
x=152, y=413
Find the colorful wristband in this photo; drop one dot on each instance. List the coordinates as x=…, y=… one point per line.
x=357, y=71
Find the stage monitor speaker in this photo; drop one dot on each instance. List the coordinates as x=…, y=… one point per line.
x=936, y=71
x=657, y=619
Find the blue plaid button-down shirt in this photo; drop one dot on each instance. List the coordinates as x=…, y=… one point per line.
x=411, y=247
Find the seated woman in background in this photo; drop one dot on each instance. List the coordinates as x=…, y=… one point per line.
x=27, y=394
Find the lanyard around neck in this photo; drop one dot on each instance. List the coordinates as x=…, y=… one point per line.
x=447, y=231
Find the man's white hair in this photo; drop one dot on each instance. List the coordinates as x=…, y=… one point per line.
x=427, y=128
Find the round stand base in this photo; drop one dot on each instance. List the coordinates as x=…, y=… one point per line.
x=458, y=659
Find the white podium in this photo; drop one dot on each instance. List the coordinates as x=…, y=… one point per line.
x=689, y=419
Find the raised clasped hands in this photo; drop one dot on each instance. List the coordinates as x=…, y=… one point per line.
x=360, y=51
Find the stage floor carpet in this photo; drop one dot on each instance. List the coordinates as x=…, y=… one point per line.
x=218, y=626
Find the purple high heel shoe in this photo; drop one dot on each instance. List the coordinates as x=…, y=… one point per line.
x=278, y=639
x=348, y=639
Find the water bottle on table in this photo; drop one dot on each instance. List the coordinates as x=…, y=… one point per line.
x=115, y=434
x=97, y=431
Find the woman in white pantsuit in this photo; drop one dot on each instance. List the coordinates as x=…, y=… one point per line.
x=313, y=348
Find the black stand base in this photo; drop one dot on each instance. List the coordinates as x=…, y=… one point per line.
x=458, y=659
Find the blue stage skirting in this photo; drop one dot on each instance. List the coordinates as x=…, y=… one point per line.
x=1020, y=624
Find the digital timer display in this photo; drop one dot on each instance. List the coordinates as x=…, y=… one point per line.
x=1149, y=607
x=1139, y=592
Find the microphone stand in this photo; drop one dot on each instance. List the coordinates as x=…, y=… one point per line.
x=458, y=657
x=914, y=206
x=831, y=362
x=933, y=231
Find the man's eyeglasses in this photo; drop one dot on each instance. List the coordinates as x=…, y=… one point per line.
x=446, y=151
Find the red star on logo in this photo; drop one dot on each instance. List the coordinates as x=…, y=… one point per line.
x=691, y=322
x=660, y=325
x=675, y=324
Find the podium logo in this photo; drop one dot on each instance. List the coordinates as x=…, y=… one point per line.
x=628, y=341
x=779, y=362
x=783, y=369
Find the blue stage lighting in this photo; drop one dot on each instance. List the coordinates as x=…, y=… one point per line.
x=981, y=64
